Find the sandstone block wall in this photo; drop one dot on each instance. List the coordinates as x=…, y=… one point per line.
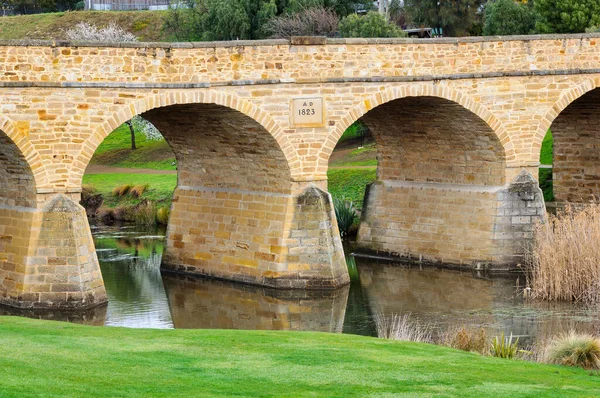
x=493, y=100
x=576, y=161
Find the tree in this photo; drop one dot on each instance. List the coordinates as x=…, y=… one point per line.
x=36, y=6
x=507, y=17
x=200, y=20
x=455, y=17
x=567, y=16
x=113, y=33
x=372, y=24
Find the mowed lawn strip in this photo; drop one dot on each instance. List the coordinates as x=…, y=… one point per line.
x=160, y=187
x=45, y=358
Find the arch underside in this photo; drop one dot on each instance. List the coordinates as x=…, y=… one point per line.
x=233, y=213
x=17, y=213
x=440, y=179
x=576, y=150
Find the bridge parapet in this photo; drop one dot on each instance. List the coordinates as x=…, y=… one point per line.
x=210, y=64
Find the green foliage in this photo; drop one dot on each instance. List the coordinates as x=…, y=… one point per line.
x=546, y=184
x=504, y=347
x=162, y=215
x=545, y=175
x=92, y=361
x=356, y=130
x=31, y=6
x=372, y=24
x=203, y=20
x=567, y=16
x=454, y=17
x=345, y=215
x=547, y=148
x=573, y=349
x=350, y=184
x=507, y=17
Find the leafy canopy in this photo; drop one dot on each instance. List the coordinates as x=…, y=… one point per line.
x=372, y=24
x=201, y=20
x=455, y=17
x=507, y=17
x=567, y=16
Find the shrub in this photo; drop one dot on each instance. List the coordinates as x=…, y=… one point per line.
x=145, y=214
x=372, y=24
x=113, y=33
x=573, y=349
x=107, y=216
x=504, y=347
x=88, y=189
x=564, y=263
x=345, y=215
x=466, y=339
x=162, y=215
x=138, y=190
x=121, y=190
x=316, y=21
x=403, y=328
x=123, y=213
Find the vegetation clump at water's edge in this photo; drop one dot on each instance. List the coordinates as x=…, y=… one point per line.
x=66, y=359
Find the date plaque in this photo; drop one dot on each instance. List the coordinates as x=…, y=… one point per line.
x=307, y=112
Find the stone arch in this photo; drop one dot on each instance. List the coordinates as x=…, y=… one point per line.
x=575, y=125
x=17, y=134
x=421, y=90
x=165, y=99
x=564, y=100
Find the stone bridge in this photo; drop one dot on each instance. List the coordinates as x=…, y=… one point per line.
x=458, y=125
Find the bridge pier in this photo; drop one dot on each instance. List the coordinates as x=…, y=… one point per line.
x=274, y=240
x=467, y=226
x=47, y=257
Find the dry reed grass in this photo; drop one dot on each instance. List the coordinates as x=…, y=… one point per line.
x=145, y=214
x=121, y=190
x=472, y=340
x=574, y=349
x=403, y=328
x=138, y=190
x=564, y=262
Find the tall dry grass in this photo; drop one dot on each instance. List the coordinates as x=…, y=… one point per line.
x=564, y=262
x=403, y=328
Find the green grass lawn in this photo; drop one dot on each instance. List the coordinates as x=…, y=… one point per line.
x=160, y=187
x=350, y=183
x=53, y=359
x=115, y=151
x=545, y=175
x=364, y=156
x=547, y=146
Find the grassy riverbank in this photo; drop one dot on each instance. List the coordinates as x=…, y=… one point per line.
x=146, y=25
x=62, y=359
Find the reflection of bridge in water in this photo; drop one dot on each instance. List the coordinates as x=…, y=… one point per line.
x=140, y=297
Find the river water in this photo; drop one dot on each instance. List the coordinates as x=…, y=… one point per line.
x=140, y=297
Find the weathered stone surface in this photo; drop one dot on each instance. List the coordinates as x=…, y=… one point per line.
x=460, y=118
